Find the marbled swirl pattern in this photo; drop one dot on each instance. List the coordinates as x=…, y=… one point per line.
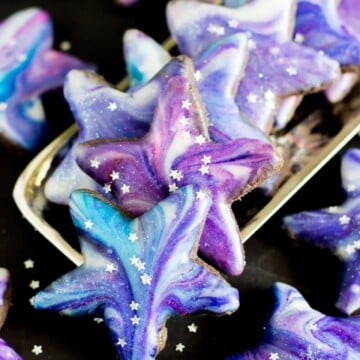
x=28, y=68
x=219, y=69
x=277, y=67
x=337, y=229
x=295, y=331
x=144, y=57
x=139, y=272
x=177, y=151
x=320, y=26
x=102, y=111
x=331, y=26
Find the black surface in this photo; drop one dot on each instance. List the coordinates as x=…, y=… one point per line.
x=95, y=30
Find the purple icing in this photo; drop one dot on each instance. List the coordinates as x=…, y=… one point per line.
x=296, y=331
x=196, y=25
x=218, y=72
x=139, y=272
x=177, y=151
x=349, y=11
x=276, y=70
x=319, y=26
x=337, y=229
x=29, y=67
x=102, y=111
x=277, y=67
x=7, y=353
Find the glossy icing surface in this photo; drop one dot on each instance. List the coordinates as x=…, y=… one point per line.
x=277, y=67
x=138, y=272
x=320, y=27
x=219, y=69
x=337, y=229
x=28, y=68
x=296, y=331
x=102, y=111
x=177, y=151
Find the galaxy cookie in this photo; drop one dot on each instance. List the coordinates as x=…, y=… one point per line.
x=277, y=67
x=6, y=352
x=144, y=57
x=296, y=331
x=102, y=111
x=176, y=152
x=337, y=229
x=28, y=68
x=330, y=26
x=219, y=70
x=139, y=272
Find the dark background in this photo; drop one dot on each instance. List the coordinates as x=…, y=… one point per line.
x=95, y=30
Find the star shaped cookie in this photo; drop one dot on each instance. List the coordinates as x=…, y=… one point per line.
x=177, y=151
x=277, y=67
x=337, y=229
x=29, y=67
x=139, y=272
x=296, y=331
x=102, y=111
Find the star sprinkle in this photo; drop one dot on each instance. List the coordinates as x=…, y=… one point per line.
x=29, y=264
x=89, y=224
x=192, y=328
x=236, y=166
x=29, y=67
x=37, y=350
x=134, y=306
x=287, y=334
x=121, y=342
x=182, y=284
x=35, y=284
x=111, y=268
x=274, y=356
x=291, y=69
x=89, y=96
x=179, y=347
x=144, y=57
x=338, y=231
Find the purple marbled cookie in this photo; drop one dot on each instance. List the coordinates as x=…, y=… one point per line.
x=277, y=67
x=330, y=26
x=219, y=70
x=102, y=111
x=295, y=331
x=337, y=229
x=139, y=272
x=28, y=68
x=177, y=151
